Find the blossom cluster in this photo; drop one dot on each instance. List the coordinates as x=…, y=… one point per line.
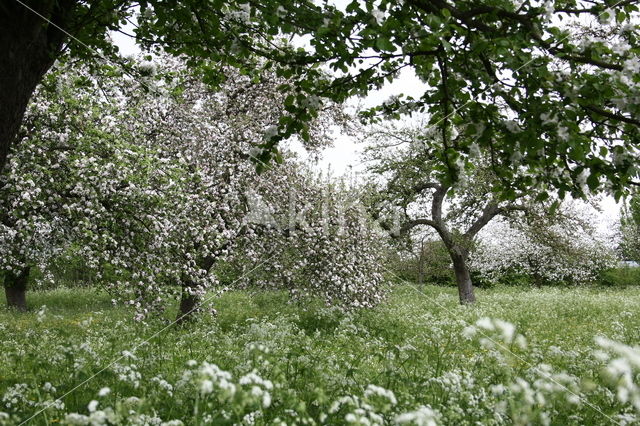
x=568, y=250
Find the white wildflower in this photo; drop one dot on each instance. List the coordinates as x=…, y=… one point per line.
x=206, y=387
x=423, y=416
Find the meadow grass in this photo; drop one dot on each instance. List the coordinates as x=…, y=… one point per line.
x=418, y=358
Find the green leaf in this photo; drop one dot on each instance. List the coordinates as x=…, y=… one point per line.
x=278, y=157
x=593, y=182
x=384, y=44
x=543, y=196
x=577, y=153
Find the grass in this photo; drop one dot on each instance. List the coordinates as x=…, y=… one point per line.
x=413, y=359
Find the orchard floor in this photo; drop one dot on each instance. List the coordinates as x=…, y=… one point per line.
x=412, y=360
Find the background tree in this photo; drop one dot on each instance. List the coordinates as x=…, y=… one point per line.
x=563, y=247
x=35, y=34
x=83, y=179
x=419, y=256
x=318, y=238
x=523, y=78
x=414, y=193
x=155, y=185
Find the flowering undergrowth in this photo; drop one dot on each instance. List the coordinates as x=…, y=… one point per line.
x=545, y=356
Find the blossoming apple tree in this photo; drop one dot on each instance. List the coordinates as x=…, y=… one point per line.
x=149, y=178
x=81, y=179
x=317, y=237
x=563, y=247
x=630, y=228
x=414, y=190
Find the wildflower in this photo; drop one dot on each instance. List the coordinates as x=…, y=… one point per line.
x=92, y=406
x=423, y=416
x=381, y=392
x=206, y=387
x=48, y=387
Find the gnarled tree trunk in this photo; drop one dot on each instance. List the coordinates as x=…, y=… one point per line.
x=15, y=289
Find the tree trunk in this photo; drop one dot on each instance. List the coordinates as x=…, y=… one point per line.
x=15, y=289
x=188, y=303
x=29, y=47
x=537, y=279
x=463, y=278
x=421, y=264
x=420, y=280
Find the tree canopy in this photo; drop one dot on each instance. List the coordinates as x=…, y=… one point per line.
x=553, y=85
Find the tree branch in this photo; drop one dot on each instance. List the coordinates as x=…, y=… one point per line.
x=488, y=213
x=417, y=222
x=426, y=185
x=611, y=115
x=436, y=204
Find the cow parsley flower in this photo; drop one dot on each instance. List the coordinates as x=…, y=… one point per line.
x=423, y=416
